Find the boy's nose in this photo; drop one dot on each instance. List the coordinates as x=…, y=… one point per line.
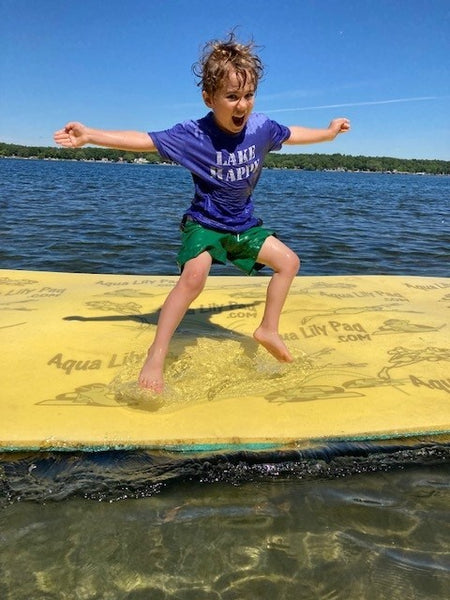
x=242, y=103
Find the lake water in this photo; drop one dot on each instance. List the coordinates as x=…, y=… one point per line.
x=367, y=523
x=120, y=218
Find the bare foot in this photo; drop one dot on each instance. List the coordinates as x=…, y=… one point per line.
x=273, y=343
x=151, y=375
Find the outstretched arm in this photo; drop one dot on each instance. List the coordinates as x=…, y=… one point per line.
x=305, y=135
x=75, y=135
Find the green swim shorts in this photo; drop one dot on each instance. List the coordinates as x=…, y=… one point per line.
x=241, y=249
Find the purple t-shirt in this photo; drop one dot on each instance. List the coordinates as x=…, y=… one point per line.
x=225, y=167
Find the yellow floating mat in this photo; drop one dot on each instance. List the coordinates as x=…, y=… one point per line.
x=372, y=361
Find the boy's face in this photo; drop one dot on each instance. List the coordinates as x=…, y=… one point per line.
x=232, y=103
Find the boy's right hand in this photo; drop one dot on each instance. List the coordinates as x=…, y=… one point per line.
x=73, y=135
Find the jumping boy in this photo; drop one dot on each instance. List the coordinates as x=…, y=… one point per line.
x=224, y=151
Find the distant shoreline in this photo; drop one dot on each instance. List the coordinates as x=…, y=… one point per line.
x=166, y=164
x=304, y=162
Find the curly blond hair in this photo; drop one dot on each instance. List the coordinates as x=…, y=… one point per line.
x=218, y=57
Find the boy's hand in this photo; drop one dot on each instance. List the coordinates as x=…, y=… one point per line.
x=340, y=125
x=73, y=135
x=306, y=135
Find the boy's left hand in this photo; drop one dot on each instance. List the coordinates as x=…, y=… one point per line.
x=341, y=125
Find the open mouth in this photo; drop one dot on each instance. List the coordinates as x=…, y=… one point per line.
x=238, y=121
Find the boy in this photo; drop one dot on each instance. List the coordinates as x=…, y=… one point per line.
x=224, y=152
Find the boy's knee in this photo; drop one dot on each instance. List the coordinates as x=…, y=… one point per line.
x=292, y=264
x=194, y=279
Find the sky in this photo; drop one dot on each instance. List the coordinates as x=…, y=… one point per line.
x=127, y=64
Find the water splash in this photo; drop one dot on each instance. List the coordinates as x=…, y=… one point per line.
x=209, y=370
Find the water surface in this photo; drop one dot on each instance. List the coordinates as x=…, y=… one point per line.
x=122, y=218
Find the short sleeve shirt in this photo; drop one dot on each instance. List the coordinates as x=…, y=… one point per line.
x=225, y=168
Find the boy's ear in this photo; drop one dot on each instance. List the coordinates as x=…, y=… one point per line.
x=207, y=99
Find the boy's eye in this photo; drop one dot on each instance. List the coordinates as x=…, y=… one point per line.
x=234, y=97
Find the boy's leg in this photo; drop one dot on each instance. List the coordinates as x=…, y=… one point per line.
x=191, y=282
x=285, y=264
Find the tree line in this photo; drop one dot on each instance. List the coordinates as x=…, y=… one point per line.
x=309, y=162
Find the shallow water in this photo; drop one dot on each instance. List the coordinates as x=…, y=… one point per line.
x=381, y=535
x=333, y=524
